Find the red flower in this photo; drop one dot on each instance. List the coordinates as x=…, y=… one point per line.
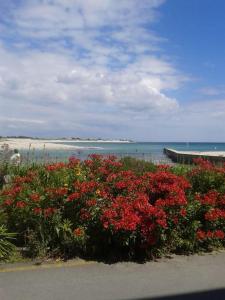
x=73, y=162
x=84, y=214
x=91, y=202
x=201, y=235
x=183, y=212
x=86, y=186
x=163, y=167
x=61, y=191
x=121, y=215
x=73, y=197
x=121, y=185
x=21, y=204
x=8, y=202
x=49, y=211
x=88, y=163
x=208, y=199
x=214, y=214
x=57, y=192
x=37, y=210
x=78, y=232
x=166, y=187
x=22, y=179
x=14, y=191
x=55, y=167
x=203, y=163
x=219, y=234
x=35, y=197
x=95, y=156
x=209, y=234
x=162, y=223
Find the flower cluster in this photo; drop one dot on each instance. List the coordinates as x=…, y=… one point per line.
x=101, y=204
x=217, y=234
x=55, y=167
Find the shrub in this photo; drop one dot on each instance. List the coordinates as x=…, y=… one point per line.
x=105, y=207
x=206, y=176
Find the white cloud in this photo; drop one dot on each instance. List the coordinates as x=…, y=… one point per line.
x=93, y=31
x=93, y=68
x=26, y=121
x=41, y=80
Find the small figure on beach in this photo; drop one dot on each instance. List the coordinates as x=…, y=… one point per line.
x=5, y=152
x=15, y=159
x=5, y=147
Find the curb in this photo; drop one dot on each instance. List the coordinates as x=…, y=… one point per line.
x=45, y=266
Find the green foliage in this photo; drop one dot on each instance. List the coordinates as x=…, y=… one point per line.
x=206, y=180
x=138, y=166
x=6, y=246
x=3, y=172
x=181, y=170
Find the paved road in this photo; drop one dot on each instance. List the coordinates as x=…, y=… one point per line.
x=193, y=277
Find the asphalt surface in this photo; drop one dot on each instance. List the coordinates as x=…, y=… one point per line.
x=182, y=277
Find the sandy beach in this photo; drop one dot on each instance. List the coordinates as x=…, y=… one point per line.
x=25, y=144
x=57, y=144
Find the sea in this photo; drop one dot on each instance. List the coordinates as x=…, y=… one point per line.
x=149, y=151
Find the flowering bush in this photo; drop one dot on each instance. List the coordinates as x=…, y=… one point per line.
x=206, y=176
x=208, y=203
x=101, y=207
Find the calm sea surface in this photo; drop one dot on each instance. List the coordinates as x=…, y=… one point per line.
x=145, y=150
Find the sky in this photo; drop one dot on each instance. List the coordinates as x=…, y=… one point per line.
x=146, y=70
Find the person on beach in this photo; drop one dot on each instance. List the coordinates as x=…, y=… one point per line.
x=5, y=153
x=15, y=159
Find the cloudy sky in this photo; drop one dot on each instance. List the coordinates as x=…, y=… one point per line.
x=148, y=70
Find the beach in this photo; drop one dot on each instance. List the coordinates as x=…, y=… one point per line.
x=143, y=150
x=26, y=144
x=52, y=144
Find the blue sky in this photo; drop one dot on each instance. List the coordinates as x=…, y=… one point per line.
x=195, y=31
x=150, y=70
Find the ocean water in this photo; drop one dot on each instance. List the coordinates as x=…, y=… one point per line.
x=151, y=151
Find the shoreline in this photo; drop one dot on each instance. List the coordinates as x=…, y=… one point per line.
x=94, y=141
x=26, y=144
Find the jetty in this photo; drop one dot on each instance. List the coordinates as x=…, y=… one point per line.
x=186, y=157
